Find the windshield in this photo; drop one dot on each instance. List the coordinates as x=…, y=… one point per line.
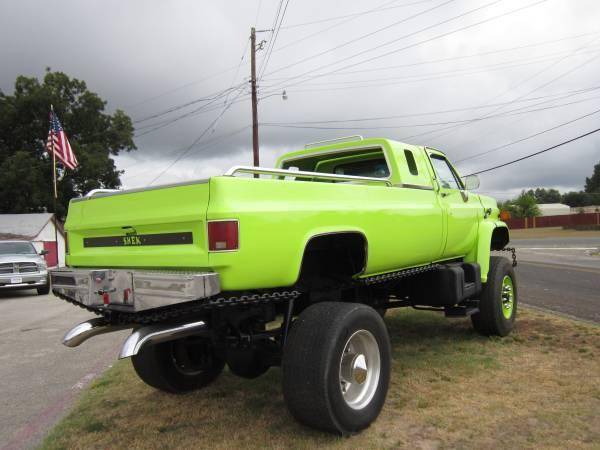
x=17, y=248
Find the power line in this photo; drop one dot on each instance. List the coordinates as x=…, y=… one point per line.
x=519, y=62
x=257, y=12
x=415, y=44
x=454, y=58
x=198, y=139
x=357, y=14
x=431, y=76
x=183, y=86
x=324, y=30
x=517, y=111
x=207, y=144
x=364, y=36
x=204, y=108
x=273, y=27
x=228, y=69
x=274, y=39
x=536, y=153
x=223, y=93
x=562, y=75
x=186, y=104
x=525, y=80
x=477, y=155
x=560, y=96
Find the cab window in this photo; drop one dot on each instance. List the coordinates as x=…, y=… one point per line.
x=445, y=174
x=375, y=168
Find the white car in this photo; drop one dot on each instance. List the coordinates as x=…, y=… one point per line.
x=21, y=267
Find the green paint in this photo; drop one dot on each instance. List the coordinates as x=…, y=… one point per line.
x=404, y=227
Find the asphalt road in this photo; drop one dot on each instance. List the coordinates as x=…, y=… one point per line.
x=561, y=275
x=39, y=377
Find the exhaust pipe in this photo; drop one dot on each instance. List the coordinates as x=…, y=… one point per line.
x=154, y=334
x=85, y=330
x=151, y=334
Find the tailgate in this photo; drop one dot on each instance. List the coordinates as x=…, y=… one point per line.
x=162, y=227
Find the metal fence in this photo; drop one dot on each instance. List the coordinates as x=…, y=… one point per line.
x=567, y=220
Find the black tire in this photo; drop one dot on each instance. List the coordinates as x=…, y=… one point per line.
x=44, y=290
x=491, y=319
x=312, y=366
x=178, y=366
x=246, y=364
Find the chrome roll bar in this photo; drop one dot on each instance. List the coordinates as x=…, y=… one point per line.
x=304, y=174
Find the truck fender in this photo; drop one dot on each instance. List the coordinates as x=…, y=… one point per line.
x=493, y=235
x=359, y=237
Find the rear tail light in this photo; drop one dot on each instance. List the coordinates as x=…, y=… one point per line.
x=223, y=235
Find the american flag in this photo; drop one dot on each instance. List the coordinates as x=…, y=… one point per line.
x=59, y=144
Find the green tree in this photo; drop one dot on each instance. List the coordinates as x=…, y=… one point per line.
x=94, y=135
x=526, y=205
x=543, y=195
x=523, y=206
x=592, y=184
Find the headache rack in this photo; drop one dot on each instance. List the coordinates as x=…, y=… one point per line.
x=303, y=174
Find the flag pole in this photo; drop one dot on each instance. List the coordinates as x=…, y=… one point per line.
x=53, y=157
x=55, y=197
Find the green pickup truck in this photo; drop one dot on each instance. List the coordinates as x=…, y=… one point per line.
x=292, y=267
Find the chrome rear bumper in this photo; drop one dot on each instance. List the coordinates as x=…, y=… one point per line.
x=132, y=290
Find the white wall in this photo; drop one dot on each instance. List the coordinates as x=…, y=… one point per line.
x=554, y=210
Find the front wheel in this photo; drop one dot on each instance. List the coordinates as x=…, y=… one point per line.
x=498, y=301
x=178, y=366
x=336, y=367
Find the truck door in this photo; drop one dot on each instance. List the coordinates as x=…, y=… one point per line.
x=461, y=209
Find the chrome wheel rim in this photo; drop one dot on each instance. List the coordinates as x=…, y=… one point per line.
x=507, y=296
x=360, y=366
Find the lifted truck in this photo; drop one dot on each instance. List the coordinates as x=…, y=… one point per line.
x=293, y=266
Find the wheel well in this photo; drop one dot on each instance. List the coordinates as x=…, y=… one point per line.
x=499, y=238
x=333, y=256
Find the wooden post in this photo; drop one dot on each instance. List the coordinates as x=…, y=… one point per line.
x=256, y=158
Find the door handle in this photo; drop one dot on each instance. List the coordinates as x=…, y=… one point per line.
x=444, y=194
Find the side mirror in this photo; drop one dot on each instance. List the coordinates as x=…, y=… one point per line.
x=44, y=252
x=471, y=182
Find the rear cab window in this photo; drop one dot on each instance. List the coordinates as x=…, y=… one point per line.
x=362, y=162
x=375, y=168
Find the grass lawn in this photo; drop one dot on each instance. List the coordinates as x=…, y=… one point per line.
x=539, y=387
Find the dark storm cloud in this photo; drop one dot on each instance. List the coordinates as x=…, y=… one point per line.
x=149, y=56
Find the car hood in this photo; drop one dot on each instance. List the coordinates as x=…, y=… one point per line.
x=21, y=258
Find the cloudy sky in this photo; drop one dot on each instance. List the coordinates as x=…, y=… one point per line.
x=500, y=77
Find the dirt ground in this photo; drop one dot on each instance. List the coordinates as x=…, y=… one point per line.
x=551, y=232
x=451, y=388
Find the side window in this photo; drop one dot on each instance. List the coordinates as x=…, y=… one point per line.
x=444, y=173
x=410, y=160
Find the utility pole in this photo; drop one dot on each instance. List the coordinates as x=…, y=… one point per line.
x=254, y=100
